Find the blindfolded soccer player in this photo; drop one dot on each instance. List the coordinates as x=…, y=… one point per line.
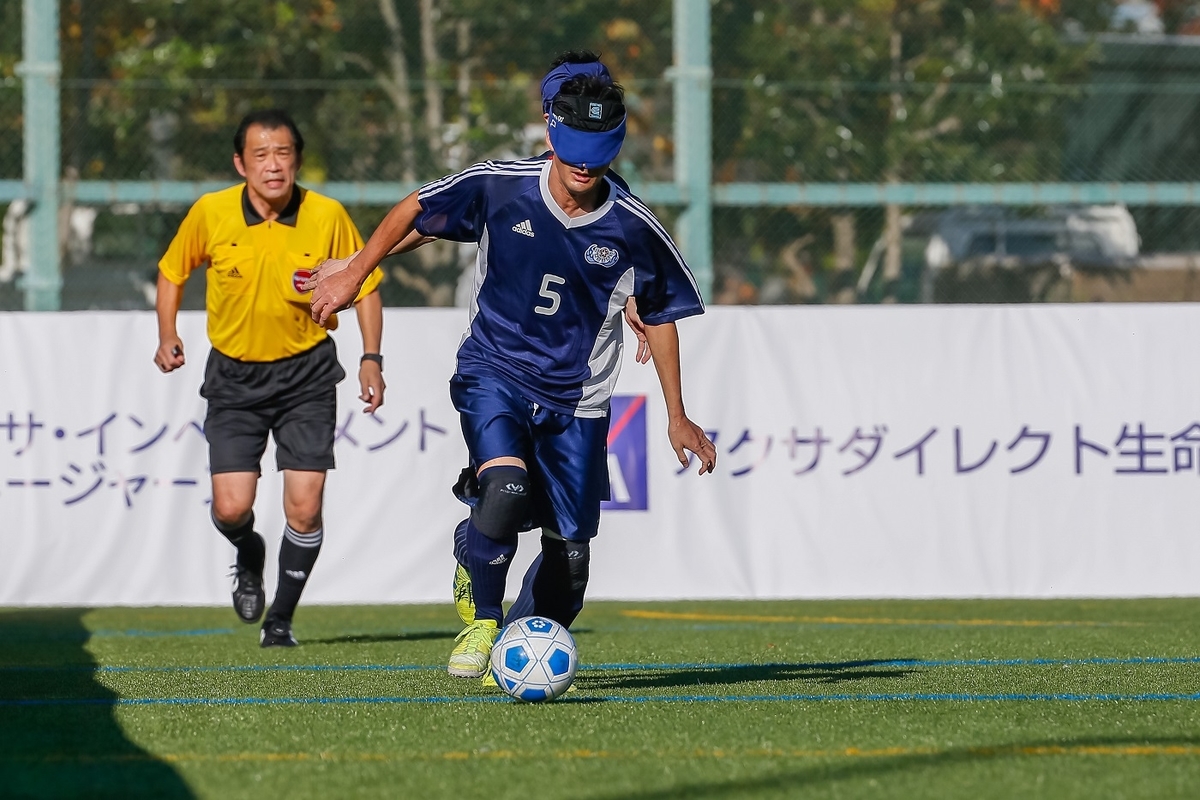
x=566, y=66
x=561, y=250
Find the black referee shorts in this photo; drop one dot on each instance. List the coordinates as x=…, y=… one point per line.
x=293, y=399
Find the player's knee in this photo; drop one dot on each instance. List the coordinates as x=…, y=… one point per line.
x=504, y=502
x=230, y=513
x=302, y=513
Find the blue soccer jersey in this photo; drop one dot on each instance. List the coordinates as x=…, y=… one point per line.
x=550, y=289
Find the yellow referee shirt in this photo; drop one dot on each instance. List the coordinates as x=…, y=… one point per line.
x=256, y=311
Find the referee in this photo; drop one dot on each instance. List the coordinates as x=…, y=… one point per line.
x=272, y=370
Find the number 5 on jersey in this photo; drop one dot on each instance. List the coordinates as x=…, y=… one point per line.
x=555, y=299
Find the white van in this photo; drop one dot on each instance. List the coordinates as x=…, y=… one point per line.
x=946, y=255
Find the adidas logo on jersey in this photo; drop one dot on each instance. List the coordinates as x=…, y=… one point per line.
x=498, y=560
x=524, y=228
x=298, y=574
x=233, y=273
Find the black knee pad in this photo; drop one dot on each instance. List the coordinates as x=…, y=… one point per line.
x=579, y=556
x=504, y=503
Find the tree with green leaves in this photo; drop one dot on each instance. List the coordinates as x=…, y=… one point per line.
x=902, y=91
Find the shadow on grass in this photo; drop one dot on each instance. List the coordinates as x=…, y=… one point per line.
x=378, y=638
x=742, y=673
x=790, y=782
x=65, y=750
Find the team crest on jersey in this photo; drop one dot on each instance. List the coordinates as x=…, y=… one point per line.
x=298, y=279
x=601, y=256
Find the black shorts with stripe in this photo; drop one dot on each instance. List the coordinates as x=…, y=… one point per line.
x=293, y=399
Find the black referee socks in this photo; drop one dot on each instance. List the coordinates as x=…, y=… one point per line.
x=251, y=549
x=297, y=555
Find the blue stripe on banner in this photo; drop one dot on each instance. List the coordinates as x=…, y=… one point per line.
x=936, y=697
x=826, y=665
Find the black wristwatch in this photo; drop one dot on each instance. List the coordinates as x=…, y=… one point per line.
x=378, y=359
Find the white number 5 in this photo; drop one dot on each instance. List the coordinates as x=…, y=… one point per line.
x=551, y=295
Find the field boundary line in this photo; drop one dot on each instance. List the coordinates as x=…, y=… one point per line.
x=895, y=697
x=691, y=616
x=630, y=667
x=1004, y=751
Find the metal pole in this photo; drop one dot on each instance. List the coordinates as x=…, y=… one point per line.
x=692, y=73
x=40, y=72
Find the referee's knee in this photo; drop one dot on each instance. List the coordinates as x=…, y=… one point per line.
x=230, y=512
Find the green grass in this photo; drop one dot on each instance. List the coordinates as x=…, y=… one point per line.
x=799, y=699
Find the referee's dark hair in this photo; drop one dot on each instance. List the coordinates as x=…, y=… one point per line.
x=271, y=119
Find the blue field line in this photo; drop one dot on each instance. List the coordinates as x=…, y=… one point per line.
x=915, y=662
x=196, y=632
x=630, y=667
x=937, y=697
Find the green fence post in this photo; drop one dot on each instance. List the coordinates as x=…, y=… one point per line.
x=692, y=74
x=40, y=72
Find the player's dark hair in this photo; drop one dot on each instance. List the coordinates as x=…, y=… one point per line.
x=575, y=104
x=272, y=119
x=575, y=57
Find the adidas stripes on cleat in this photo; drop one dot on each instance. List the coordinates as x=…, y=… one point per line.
x=464, y=601
x=471, y=655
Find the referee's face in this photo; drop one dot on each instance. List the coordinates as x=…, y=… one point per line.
x=269, y=163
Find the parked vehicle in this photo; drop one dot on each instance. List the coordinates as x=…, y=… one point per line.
x=997, y=254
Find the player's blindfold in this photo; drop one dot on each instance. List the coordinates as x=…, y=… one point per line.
x=585, y=132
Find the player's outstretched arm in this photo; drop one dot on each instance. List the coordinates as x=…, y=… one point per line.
x=335, y=291
x=370, y=372
x=169, y=355
x=684, y=434
x=331, y=265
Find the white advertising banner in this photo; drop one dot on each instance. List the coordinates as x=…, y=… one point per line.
x=1017, y=451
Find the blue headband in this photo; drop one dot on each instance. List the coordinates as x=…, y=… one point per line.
x=585, y=148
x=556, y=77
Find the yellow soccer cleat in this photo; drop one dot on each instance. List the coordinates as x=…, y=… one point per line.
x=489, y=680
x=464, y=601
x=469, y=658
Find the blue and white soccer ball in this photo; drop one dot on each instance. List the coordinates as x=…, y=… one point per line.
x=534, y=659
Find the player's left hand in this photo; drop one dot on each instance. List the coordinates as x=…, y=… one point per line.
x=686, y=435
x=639, y=330
x=370, y=381
x=332, y=292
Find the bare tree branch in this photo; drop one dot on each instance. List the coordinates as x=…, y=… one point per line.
x=948, y=125
x=398, y=87
x=434, y=114
x=934, y=98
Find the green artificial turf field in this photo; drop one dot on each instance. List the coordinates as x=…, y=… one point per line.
x=971, y=699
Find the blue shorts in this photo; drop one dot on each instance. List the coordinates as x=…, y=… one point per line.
x=566, y=456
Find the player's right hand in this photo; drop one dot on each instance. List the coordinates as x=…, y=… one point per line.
x=169, y=356
x=330, y=266
x=332, y=293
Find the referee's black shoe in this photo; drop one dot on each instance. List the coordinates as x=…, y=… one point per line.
x=277, y=633
x=249, y=599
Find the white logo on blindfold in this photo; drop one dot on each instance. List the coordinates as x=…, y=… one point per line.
x=601, y=256
x=595, y=111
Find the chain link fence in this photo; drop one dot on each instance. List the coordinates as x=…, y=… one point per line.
x=804, y=91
